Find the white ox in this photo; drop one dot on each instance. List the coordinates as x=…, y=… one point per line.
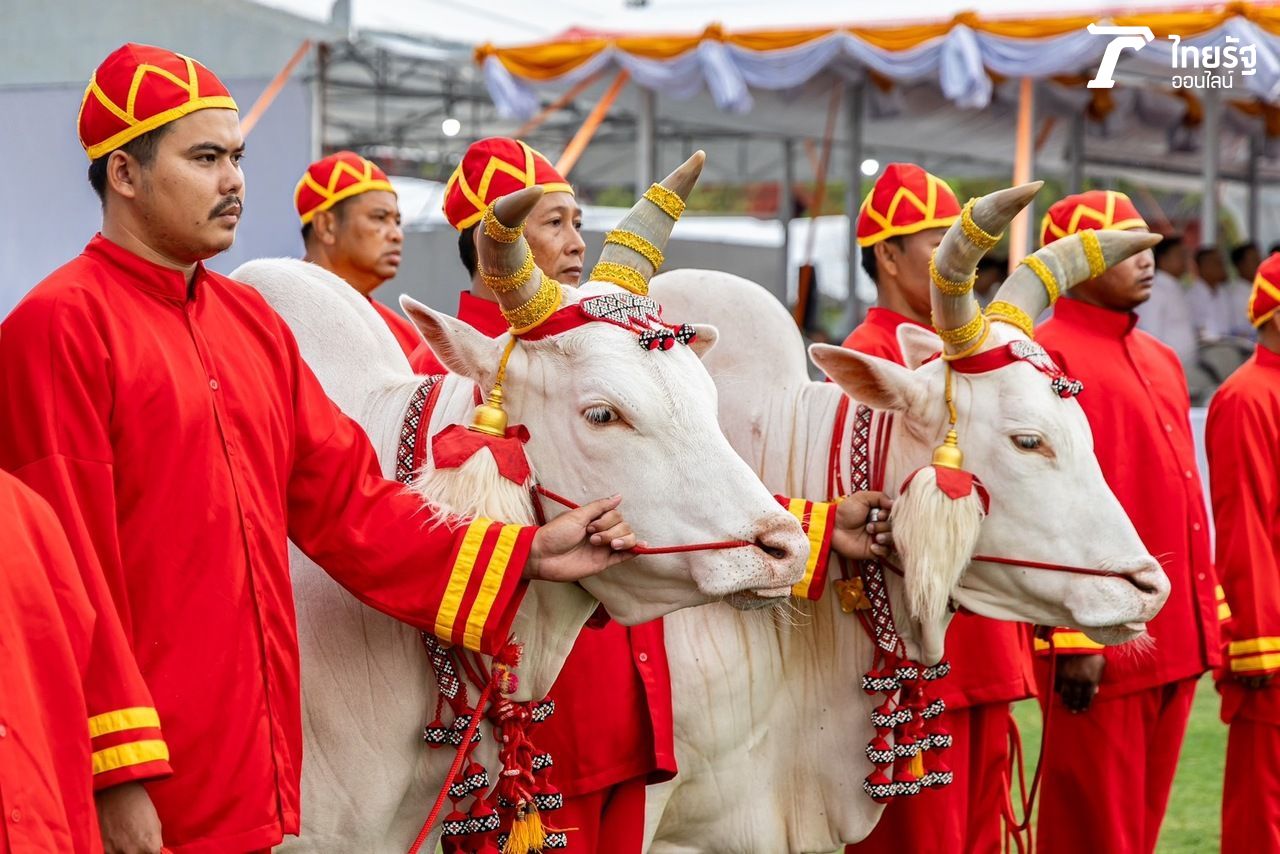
x=367, y=691
x=779, y=765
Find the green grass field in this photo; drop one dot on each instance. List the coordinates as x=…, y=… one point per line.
x=1191, y=825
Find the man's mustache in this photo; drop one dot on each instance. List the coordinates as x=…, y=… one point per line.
x=226, y=205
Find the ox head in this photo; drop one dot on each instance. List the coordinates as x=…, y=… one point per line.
x=606, y=415
x=1031, y=447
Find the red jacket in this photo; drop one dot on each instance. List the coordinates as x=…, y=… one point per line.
x=1135, y=397
x=1242, y=436
x=990, y=659
x=183, y=442
x=47, y=632
x=407, y=335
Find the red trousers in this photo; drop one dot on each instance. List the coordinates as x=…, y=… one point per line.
x=1251, y=792
x=1107, y=772
x=607, y=821
x=964, y=816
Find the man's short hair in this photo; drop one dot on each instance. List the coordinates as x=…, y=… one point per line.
x=869, y=257
x=1206, y=251
x=1237, y=254
x=467, y=249
x=1171, y=243
x=142, y=148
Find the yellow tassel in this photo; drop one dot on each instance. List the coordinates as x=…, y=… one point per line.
x=527, y=833
x=916, y=765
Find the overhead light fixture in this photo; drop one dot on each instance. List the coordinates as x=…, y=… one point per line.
x=870, y=167
x=450, y=127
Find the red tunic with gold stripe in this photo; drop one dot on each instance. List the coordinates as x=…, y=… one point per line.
x=1241, y=435
x=47, y=634
x=1108, y=770
x=990, y=667
x=1136, y=401
x=407, y=335
x=182, y=442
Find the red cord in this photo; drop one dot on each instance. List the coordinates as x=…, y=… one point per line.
x=454, y=768
x=1020, y=832
x=653, y=550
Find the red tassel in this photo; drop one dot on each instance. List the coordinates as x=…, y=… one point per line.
x=456, y=444
x=955, y=484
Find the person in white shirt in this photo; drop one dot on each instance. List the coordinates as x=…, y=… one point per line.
x=1167, y=314
x=1245, y=258
x=1214, y=304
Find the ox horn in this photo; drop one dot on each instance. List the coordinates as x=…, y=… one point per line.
x=633, y=251
x=955, y=262
x=1054, y=269
x=526, y=295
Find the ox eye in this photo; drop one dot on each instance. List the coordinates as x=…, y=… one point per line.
x=601, y=415
x=1028, y=442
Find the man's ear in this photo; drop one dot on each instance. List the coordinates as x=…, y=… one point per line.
x=324, y=227
x=886, y=258
x=124, y=174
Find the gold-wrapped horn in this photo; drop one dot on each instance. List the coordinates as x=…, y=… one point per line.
x=954, y=265
x=1054, y=269
x=526, y=295
x=633, y=251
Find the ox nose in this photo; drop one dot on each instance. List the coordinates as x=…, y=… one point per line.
x=785, y=548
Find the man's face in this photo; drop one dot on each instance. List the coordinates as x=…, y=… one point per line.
x=554, y=232
x=190, y=197
x=1174, y=262
x=366, y=238
x=1125, y=286
x=1212, y=270
x=1248, y=266
x=910, y=266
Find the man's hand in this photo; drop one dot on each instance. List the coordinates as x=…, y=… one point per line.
x=581, y=543
x=855, y=536
x=128, y=820
x=1078, y=678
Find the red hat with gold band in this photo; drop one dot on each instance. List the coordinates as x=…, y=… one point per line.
x=1100, y=210
x=334, y=179
x=139, y=88
x=905, y=199
x=493, y=168
x=1264, y=301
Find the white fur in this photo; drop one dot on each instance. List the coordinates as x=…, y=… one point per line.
x=476, y=488
x=778, y=766
x=368, y=781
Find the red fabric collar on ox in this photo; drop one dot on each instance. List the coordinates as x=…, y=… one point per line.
x=955, y=484
x=456, y=444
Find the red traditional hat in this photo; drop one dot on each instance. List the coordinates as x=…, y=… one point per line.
x=137, y=89
x=493, y=168
x=905, y=199
x=335, y=178
x=1265, y=299
x=1099, y=210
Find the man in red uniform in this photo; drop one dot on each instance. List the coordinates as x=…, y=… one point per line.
x=901, y=222
x=47, y=635
x=491, y=169
x=164, y=412
x=1242, y=436
x=1118, y=715
x=351, y=227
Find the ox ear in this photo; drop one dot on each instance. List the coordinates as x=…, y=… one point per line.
x=707, y=337
x=877, y=382
x=918, y=344
x=460, y=347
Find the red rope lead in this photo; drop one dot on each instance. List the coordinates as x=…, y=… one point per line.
x=452, y=776
x=1058, y=567
x=653, y=550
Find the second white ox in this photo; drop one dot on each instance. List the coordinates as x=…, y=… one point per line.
x=779, y=765
x=605, y=416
